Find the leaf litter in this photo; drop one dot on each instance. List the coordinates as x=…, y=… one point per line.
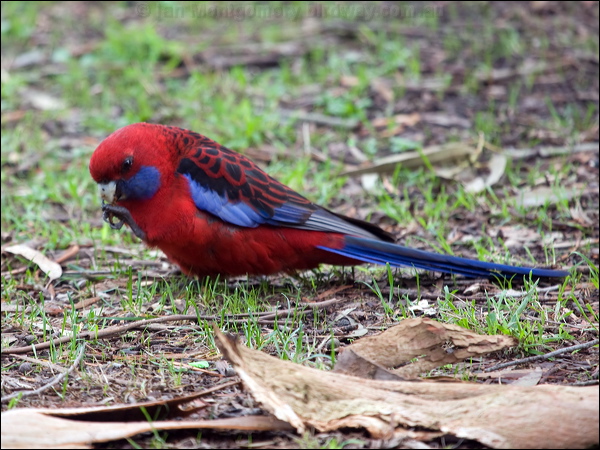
x=353, y=396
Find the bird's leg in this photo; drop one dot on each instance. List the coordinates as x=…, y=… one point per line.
x=111, y=211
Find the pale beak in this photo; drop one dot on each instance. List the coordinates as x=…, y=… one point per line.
x=108, y=191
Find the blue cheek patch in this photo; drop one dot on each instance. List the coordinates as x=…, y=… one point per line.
x=143, y=185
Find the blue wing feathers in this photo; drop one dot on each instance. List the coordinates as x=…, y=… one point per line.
x=248, y=197
x=210, y=201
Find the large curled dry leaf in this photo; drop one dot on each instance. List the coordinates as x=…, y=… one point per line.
x=420, y=345
x=495, y=415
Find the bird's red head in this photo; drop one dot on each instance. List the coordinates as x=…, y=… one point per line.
x=132, y=162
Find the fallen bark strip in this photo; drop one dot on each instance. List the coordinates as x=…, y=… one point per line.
x=499, y=416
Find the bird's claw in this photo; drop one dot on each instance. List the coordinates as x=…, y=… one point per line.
x=108, y=217
x=110, y=212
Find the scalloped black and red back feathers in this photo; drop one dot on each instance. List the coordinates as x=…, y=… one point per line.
x=234, y=177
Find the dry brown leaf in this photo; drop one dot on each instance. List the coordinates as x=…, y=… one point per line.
x=349, y=80
x=544, y=195
x=495, y=415
x=49, y=267
x=350, y=363
x=370, y=182
x=516, y=236
x=496, y=166
x=580, y=216
x=472, y=172
x=452, y=172
x=42, y=100
x=383, y=88
x=420, y=345
x=399, y=119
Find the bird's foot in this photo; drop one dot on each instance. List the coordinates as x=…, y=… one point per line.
x=108, y=216
x=110, y=212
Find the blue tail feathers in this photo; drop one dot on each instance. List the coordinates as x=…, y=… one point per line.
x=379, y=252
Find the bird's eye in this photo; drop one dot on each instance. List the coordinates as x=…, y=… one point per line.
x=127, y=164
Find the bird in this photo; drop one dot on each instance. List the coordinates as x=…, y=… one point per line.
x=214, y=212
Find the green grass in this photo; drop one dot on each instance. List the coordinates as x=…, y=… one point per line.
x=212, y=103
x=311, y=440
x=152, y=69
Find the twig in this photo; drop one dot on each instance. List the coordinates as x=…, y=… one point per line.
x=545, y=152
x=543, y=357
x=57, y=379
x=47, y=364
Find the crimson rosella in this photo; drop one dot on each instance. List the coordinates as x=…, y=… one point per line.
x=213, y=211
